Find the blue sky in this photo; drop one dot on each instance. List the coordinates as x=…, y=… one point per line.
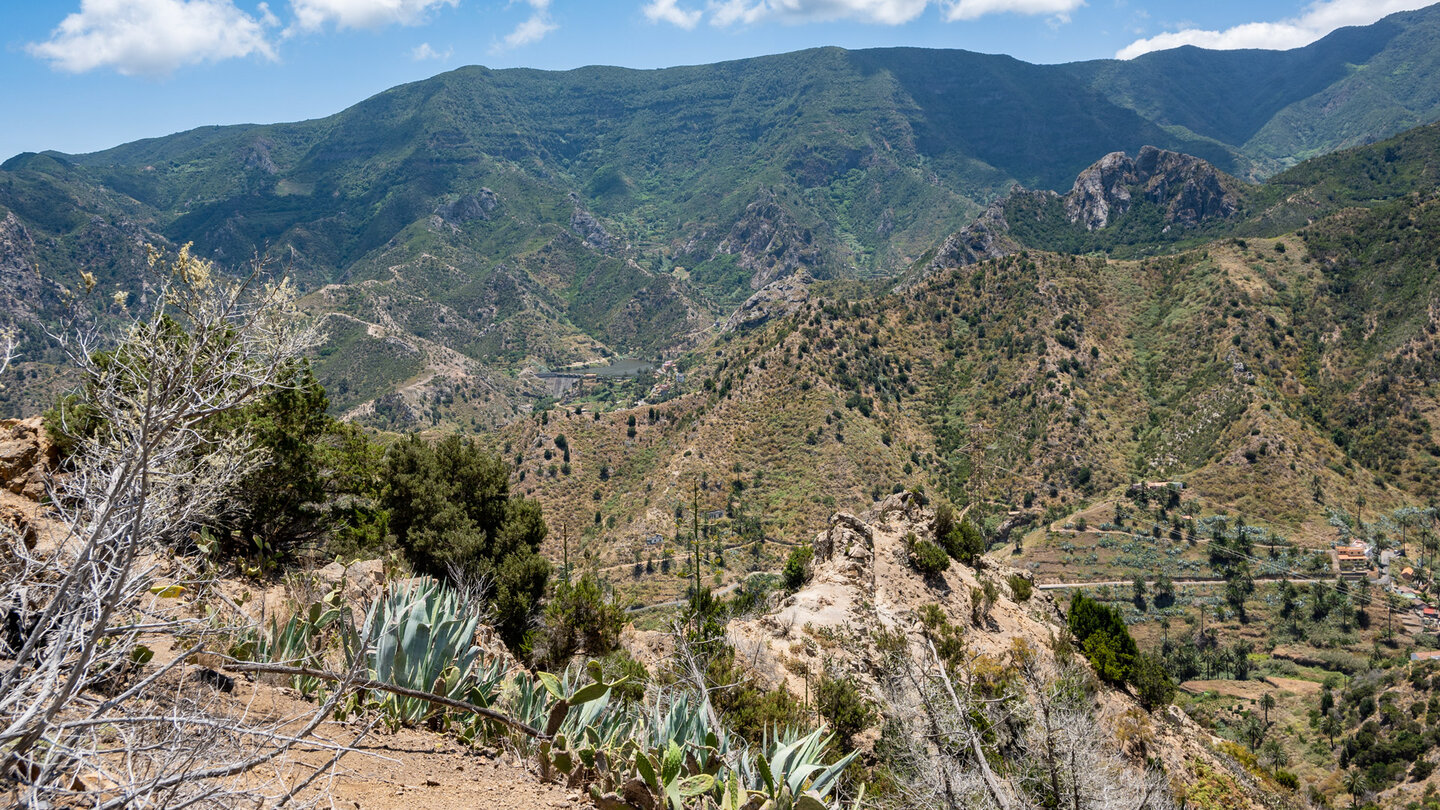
x=82, y=75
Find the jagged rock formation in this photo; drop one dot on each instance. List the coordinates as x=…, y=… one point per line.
x=1189, y=189
x=778, y=298
x=988, y=237
x=587, y=227
x=469, y=207
x=769, y=243
x=257, y=157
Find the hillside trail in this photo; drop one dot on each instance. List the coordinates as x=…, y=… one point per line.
x=400, y=769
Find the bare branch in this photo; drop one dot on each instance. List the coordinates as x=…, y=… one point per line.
x=381, y=686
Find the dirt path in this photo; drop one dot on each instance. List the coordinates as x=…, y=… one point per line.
x=411, y=769
x=1056, y=586
x=423, y=771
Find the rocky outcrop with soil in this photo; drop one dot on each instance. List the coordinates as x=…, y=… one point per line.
x=988, y=237
x=769, y=243
x=863, y=583
x=863, y=587
x=27, y=460
x=778, y=298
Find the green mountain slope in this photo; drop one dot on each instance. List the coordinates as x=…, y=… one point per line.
x=531, y=219
x=1278, y=376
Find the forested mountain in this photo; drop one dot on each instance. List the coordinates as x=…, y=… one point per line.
x=488, y=220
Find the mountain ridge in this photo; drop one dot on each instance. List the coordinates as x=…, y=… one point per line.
x=616, y=211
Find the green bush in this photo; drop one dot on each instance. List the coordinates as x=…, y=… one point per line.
x=1021, y=587
x=1289, y=780
x=839, y=701
x=452, y=515
x=1103, y=638
x=1152, y=683
x=928, y=558
x=797, y=566
x=750, y=709
x=963, y=542
x=580, y=617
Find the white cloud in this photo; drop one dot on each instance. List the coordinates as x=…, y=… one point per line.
x=971, y=9
x=312, y=15
x=668, y=11
x=1318, y=20
x=154, y=37
x=884, y=12
x=533, y=29
x=424, y=52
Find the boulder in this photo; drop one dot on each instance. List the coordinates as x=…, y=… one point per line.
x=363, y=579
x=27, y=458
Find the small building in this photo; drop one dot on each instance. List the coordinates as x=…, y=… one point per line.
x=1352, y=562
x=1428, y=655
x=654, y=540
x=1407, y=573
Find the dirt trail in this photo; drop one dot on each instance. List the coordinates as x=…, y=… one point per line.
x=410, y=769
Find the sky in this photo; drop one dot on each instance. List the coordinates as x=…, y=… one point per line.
x=83, y=75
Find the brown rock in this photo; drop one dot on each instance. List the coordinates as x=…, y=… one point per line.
x=26, y=457
x=17, y=521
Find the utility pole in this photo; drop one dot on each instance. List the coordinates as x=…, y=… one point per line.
x=565, y=540
x=695, y=530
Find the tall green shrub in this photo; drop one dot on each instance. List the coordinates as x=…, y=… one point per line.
x=452, y=513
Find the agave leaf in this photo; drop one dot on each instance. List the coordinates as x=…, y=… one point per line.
x=825, y=780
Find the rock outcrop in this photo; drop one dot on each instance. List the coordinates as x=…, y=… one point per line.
x=863, y=592
x=988, y=237
x=27, y=458
x=862, y=583
x=768, y=242
x=779, y=297
x=588, y=228
x=469, y=207
x=1190, y=190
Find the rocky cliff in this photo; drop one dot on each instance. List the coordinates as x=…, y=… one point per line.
x=1190, y=190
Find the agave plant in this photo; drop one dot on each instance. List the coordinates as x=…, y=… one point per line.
x=418, y=636
x=795, y=775
x=300, y=642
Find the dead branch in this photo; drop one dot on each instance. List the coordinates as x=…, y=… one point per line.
x=381, y=686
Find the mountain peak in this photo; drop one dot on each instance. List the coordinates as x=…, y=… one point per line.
x=1189, y=189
